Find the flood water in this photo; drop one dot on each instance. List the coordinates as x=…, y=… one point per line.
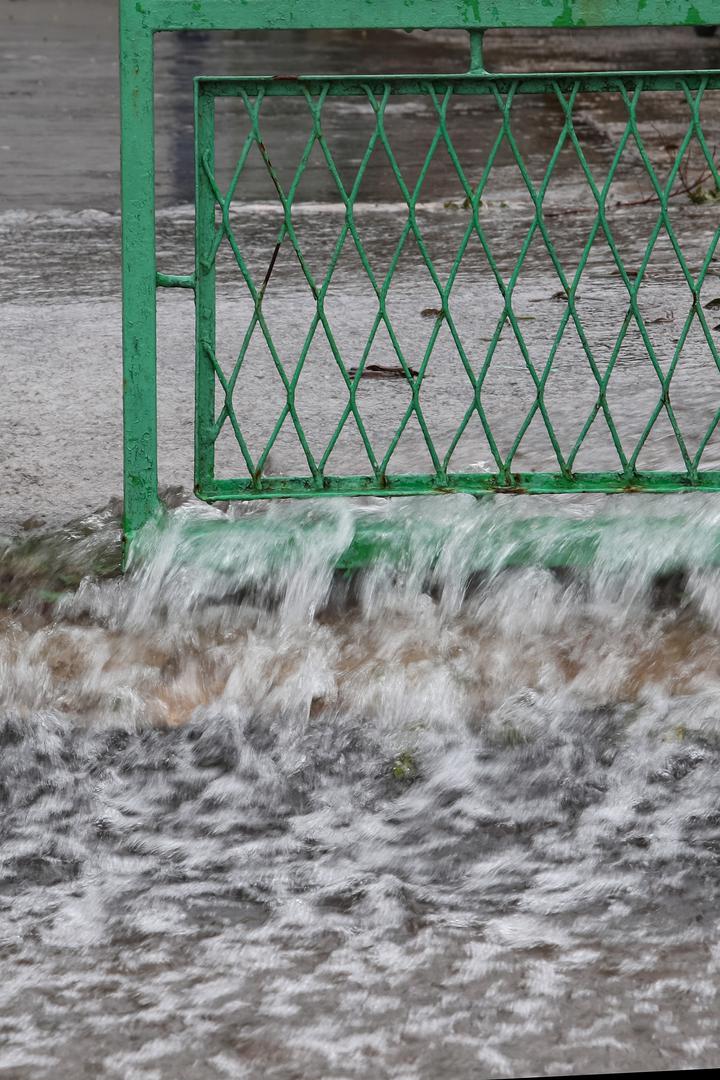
x=455, y=813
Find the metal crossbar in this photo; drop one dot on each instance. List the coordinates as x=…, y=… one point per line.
x=215, y=234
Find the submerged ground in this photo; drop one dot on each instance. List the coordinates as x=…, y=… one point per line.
x=457, y=814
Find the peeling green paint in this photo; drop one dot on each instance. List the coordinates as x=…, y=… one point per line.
x=389, y=14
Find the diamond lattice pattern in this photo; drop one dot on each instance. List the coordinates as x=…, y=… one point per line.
x=639, y=175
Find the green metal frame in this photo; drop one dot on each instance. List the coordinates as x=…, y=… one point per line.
x=142, y=19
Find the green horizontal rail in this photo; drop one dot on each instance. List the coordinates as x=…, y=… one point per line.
x=160, y=15
x=487, y=542
x=467, y=85
x=175, y=281
x=530, y=483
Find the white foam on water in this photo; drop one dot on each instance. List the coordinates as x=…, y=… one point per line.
x=450, y=814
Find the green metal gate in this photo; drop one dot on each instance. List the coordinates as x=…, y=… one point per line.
x=216, y=387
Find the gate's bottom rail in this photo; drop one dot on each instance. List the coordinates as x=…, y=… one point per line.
x=462, y=542
x=530, y=483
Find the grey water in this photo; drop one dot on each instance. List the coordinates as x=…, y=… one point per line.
x=456, y=814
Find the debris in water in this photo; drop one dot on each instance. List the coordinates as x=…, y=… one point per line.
x=379, y=371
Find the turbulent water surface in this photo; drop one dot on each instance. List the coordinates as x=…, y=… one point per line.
x=446, y=817
x=404, y=790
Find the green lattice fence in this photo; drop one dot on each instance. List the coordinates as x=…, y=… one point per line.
x=378, y=472
x=257, y=466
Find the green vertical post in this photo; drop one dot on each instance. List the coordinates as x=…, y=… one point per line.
x=204, y=287
x=138, y=269
x=477, y=59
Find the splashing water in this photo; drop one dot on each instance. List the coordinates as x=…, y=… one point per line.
x=453, y=813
